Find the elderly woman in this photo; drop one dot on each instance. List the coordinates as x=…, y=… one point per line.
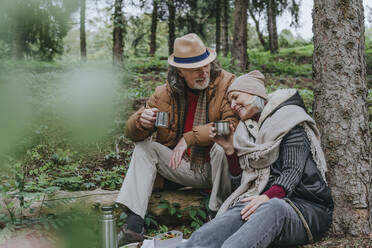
x=276, y=161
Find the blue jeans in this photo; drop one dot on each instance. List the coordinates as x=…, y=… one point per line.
x=273, y=222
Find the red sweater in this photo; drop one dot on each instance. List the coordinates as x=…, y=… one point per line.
x=192, y=101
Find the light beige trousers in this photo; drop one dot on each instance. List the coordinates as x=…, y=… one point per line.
x=151, y=157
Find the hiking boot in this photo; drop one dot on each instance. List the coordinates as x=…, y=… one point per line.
x=126, y=236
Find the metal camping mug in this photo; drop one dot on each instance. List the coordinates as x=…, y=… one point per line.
x=108, y=236
x=222, y=127
x=161, y=119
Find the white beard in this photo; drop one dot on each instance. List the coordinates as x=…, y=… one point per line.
x=202, y=86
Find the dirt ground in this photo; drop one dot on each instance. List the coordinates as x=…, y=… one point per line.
x=343, y=242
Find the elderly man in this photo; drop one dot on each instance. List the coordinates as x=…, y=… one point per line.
x=194, y=97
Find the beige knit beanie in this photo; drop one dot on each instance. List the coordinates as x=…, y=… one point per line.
x=252, y=83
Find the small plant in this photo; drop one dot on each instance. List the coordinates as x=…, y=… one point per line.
x=173, y=208
x=163, y=229
x=187, y=231
x=112, y=156
x=121, y=219
x=198, y=214
x=150, y=221
x=109, y=178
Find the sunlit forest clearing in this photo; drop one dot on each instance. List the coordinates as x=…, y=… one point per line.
x=64, y=103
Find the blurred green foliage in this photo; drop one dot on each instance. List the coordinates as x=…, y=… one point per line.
x=36, y=27
x=63, y=126
x=287, y=39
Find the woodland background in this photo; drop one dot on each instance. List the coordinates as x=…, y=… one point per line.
x=66, y=91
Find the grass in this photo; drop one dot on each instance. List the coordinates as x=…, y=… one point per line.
x=32, y=66
x=290, y=62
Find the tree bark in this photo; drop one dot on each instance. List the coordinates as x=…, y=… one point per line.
x=340, y=110
x=271, y=26
x=83, y=45
x=154, y=24
x=18, y=39
x=218, y=26
x=225, y=27
x=171, y=25
x=239, y=49
x=17, y=44
x=259, y=33
x=118, y=41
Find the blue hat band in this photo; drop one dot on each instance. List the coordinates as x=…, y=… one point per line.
x=192, y=59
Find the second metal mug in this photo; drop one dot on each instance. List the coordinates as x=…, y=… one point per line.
x=222, y=127
x=161, y=119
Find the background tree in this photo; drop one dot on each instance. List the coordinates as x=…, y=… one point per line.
x=118, y=40
x=154, y=23
x=252, y=9
x=218, y=26
x=197, y=16
x=272, y=9
x=83, y=44
x=171, y=24
x=141, y=25
x=271, y=25
x=239, y=49
x=37, y=28
x=225, y=6
x=340, y=92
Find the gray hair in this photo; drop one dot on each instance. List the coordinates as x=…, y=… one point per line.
x=259, y=103
x=177, y=83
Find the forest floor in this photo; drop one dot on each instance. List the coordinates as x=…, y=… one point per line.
x=342, y=242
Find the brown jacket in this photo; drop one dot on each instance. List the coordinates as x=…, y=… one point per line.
x=165, y=100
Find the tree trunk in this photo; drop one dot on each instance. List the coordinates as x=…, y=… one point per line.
x=83, y=45
x=340, y=110
x=218, y=26
x=17, y=44
x=154, y=24
x=225, y=27
x=271, y=26
x=18, y=39
x=257, y=24
x=118, y=41
x=239, y=50
x=171, y=25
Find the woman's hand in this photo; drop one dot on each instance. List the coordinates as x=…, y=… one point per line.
x=254, y=202
x=225, y=141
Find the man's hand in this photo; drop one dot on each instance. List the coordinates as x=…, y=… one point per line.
x=225, y=141
x=148, y=118
x=254, y=202
x=177, y=155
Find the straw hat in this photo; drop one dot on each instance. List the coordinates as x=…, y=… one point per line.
x=190, y=52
